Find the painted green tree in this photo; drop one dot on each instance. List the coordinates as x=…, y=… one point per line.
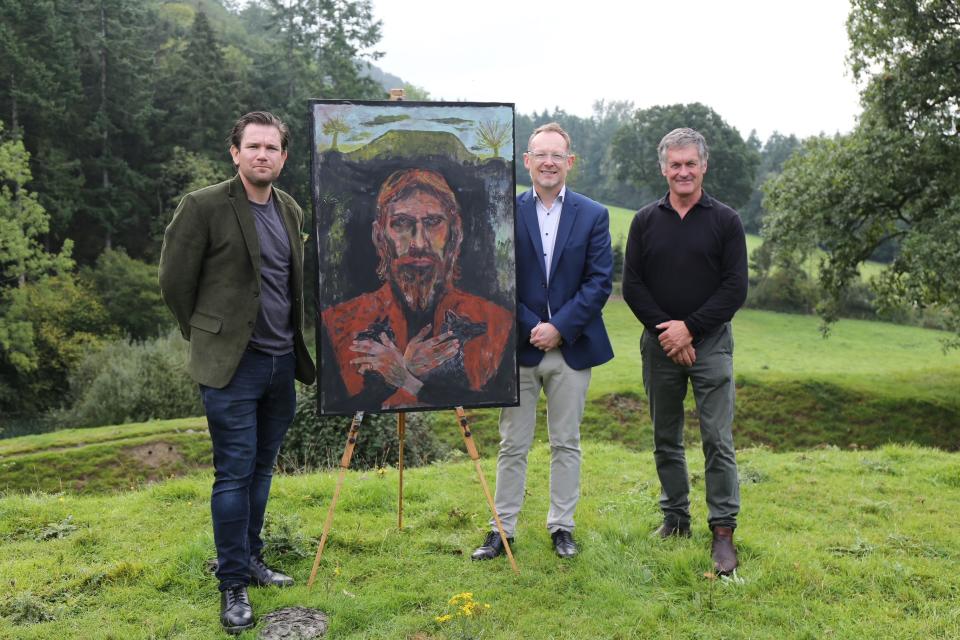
x=493, y=134
x=334, y=127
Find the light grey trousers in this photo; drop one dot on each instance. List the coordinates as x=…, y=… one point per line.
x=713, y=389
x=566, y=391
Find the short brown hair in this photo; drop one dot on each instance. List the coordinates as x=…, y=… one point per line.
x=259, y=117
x=548, y=128
x=403, y=183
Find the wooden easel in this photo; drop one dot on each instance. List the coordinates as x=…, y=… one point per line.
x=401, y=429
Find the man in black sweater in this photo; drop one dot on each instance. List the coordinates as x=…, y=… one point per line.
x=684, y=277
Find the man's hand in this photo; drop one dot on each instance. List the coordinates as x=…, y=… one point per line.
x=423, y=354
x=545, y=336
x=685, y=357
x=675, y=337
x=385, y=358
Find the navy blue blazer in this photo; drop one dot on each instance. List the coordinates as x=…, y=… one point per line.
x=581, y=277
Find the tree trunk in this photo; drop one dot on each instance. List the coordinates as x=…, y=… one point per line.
x=105, y=150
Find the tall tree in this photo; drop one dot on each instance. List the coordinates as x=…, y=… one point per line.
x=312, y=49
x=199, y=91
x=731, y=166
x=897, y=176
x=116, y=40
x=23, y=262
x=773, y=154
x=39, y=94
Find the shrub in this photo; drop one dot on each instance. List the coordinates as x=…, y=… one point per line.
x=130, y=294
x=128, y=381
x=318, y=442
x=46, y=327
x=787, y=289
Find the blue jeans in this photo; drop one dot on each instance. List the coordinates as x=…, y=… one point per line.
x=247, y=419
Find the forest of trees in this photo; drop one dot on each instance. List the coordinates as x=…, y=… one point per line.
x=111, y=110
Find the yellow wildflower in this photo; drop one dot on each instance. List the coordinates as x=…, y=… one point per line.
x=443, y=618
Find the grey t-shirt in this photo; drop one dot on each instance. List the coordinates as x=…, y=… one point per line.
x=273, y=333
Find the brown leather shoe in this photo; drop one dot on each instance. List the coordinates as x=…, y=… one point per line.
x=668, y=529
x=723, y=552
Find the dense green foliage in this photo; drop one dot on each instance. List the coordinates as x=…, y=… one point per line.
x=106, y=94
x=594, y=172
x=730, y=168
x=114, y=109
x=895, y=177
x=128, y=290
x=774, y=152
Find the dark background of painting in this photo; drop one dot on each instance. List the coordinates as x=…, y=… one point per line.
x=347, y=193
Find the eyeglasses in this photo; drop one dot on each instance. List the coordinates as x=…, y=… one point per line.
x=539, y=156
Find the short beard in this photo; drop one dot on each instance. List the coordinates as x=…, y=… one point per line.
x=417, y=284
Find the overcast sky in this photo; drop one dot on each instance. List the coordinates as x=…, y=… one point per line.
x=765, y=65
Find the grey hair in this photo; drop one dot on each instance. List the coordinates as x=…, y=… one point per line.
x=683, y=137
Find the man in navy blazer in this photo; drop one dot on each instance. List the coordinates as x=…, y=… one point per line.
x=564, y=277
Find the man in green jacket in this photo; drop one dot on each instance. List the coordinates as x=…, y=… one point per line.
x=231, y=271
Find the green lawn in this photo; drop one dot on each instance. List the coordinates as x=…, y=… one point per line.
x=833, y=544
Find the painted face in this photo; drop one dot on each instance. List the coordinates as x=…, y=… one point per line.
x=418, y=227
x=260, y=156
x=418, y=230
x=684, y=171
x=548, y=162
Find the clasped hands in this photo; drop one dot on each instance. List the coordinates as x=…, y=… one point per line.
x=545, y=336
x=405, y=370
x=677, y=342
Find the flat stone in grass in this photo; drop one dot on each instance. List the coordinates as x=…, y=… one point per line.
x=294, y=623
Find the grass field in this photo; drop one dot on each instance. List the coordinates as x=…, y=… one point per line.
x=834, y=544
x=869, y=384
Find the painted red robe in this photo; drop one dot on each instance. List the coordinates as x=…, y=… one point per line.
x=481, y=354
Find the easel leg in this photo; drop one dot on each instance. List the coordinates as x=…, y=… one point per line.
x=475, y=456
x=401, y=431
x=344, y=465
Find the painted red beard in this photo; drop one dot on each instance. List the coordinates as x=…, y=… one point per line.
x=417, y=275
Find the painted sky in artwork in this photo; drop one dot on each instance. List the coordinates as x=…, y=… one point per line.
x=363, y=128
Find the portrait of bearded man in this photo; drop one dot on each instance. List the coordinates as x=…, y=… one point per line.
x=418, y=341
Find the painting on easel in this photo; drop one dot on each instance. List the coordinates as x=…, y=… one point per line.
x=414, y=225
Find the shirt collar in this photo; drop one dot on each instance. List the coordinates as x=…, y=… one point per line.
x=560, y=196
x=705, y=200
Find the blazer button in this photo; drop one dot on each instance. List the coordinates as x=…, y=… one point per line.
x=543, y=284
x=256, y=294
x=249, y=324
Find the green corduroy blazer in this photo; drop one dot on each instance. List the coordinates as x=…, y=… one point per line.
x=210, y=278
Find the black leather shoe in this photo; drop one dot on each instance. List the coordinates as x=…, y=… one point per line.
x=263, y=576
x=563, y=543
x=669, y=529
x=236, y=614
x=491, y=548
